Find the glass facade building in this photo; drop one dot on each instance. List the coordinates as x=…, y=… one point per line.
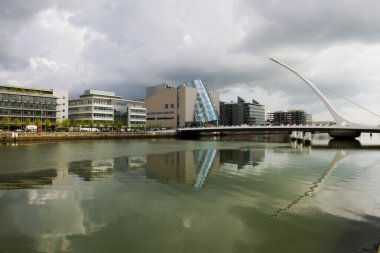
x=189, y=104
x=204, y=110
x=17, y=104
x=241, y=112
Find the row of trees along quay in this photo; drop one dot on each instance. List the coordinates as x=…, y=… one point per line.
x=8, y=124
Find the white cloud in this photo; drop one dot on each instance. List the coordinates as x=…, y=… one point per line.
x=126, y=45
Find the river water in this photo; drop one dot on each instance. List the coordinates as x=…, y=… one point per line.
x=247, y=194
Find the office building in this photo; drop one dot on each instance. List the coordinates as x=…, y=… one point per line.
x=104, y=108
x=131, y=113
x=292, y=117
x=241, y=112
x=189, y=104
x=21, y=105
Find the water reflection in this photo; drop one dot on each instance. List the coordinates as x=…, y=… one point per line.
x=315, y=185
x=344, y=144
x=92, y=170
x=326, y=199
x=242, y=157
x=27, y=180
x=191, y=166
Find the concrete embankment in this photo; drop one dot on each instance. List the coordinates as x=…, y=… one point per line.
x=45, y=136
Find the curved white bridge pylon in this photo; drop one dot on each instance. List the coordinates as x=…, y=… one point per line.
x=339, y=119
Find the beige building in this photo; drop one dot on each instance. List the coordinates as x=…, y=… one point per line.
x=189, y=104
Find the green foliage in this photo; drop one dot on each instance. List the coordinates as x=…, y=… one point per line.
x=17, y=122
x=6, y=122
x=65, y=123
x=38, y=123
x=48, y=123
x=118, y=123
x=57, y=123
x=28, y=121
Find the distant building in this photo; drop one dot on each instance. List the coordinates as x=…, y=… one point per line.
x=104, y=107
x=62, y=104
x=20, y=103
x=189, y=104
x=131, y=113
x=292, y=117
x=241, y=112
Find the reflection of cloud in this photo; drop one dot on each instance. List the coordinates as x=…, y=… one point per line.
x=40, y=198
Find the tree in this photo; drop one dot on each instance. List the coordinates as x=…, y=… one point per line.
x=65, y=123
x=38, y=123
x=7, y=122
x=27, y=121
x=17, y=122
x=57, y=123
x=48, y=123
x=118, y=123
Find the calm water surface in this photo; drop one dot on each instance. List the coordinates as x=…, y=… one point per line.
x=231, y=195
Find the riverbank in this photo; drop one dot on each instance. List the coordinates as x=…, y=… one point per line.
x=44, y=136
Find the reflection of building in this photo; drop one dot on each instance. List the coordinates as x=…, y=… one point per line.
x=183, y=166
x=19, y=103
x=242, y=157
x=191, y=103
x=92, y=170
x=27, y=180
x=130, y=163
x=292, y=117
x=104, y=106
x=241, y=112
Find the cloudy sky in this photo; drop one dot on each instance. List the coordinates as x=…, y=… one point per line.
x=125, y=45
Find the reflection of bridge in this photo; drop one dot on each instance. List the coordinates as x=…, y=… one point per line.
x=333, y=130
x=343, y=129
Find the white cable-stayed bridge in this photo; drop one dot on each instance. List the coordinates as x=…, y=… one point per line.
x=283, y=88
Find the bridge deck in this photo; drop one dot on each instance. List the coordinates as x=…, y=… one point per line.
x=305, y=128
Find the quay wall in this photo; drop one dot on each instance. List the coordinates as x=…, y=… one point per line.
x=44, y=136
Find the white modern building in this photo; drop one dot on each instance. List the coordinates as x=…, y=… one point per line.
x=62, y=104
x=103, y=107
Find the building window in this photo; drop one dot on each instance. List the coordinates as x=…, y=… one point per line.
x=166, y=106
x=171, y=105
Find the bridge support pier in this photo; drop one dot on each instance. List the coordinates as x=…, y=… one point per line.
x=344, y=134
x=300, y=136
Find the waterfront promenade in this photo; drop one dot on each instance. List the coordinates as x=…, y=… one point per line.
x=8, y=136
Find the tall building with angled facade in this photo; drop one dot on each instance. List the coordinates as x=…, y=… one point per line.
x=189, y=104
x=242, y=112
x=21, y=103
